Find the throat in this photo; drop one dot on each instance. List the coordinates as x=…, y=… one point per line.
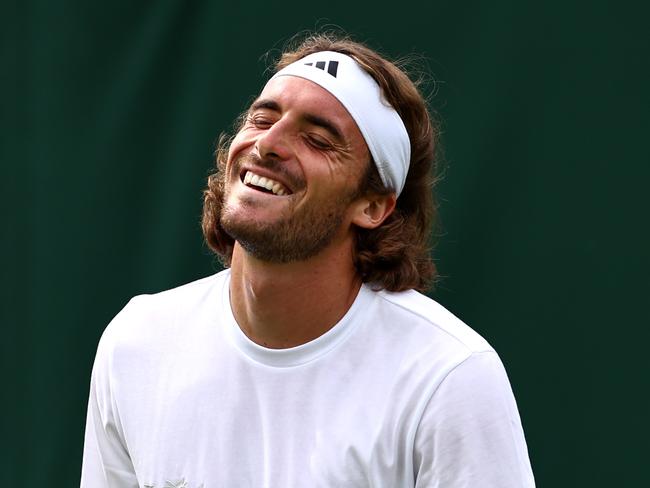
x=277, y=308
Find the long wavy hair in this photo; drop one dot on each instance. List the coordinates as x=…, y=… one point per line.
x=396, y=256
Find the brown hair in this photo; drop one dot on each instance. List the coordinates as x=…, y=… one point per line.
x=396, y=255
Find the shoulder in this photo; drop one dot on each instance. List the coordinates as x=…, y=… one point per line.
x=422, y=316
x=150, y=318
x=178, y=298
x=416, y=340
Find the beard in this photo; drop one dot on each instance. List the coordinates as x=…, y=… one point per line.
x=296, y=235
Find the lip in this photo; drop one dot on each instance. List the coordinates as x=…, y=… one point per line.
x=267, y=174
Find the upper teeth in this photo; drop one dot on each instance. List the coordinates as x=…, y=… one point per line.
x=263, y=182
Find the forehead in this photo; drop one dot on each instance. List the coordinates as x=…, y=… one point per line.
x=295, y=94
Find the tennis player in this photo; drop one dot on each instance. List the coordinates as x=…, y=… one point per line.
x=312, y=360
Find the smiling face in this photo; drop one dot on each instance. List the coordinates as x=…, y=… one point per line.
x=293, y=173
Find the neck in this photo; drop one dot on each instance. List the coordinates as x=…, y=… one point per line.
x=285, y=305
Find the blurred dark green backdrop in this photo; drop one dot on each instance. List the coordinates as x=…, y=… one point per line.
x=109, y=115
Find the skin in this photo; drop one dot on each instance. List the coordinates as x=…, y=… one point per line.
x=323, y=156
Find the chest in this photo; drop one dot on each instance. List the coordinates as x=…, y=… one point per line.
x=241, y=425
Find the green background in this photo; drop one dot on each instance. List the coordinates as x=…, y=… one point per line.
x=108, y=118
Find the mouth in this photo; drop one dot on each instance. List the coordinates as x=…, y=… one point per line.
x=264, y=184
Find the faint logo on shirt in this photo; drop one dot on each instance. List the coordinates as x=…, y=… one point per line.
x=181, y=483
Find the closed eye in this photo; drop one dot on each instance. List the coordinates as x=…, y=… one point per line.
x=260, y=121
x=318, y=142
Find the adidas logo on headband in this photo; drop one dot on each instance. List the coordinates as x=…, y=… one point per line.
x=332, y=66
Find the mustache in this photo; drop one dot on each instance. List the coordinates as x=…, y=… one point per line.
x=273, y=165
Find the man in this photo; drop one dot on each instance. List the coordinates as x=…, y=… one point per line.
x=311, y=361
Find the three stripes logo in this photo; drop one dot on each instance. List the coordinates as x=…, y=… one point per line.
x=332, y=66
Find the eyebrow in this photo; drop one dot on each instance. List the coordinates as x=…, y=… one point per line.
x=314, y=119
x=264, y=103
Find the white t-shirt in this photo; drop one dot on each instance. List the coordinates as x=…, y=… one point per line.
x=399, y=393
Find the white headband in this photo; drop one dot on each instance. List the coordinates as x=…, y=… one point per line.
x=381, y=126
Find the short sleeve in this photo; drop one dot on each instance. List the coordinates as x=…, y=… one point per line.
x=106, y=461
x=470, y=433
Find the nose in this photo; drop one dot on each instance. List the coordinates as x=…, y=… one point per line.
x=274, y=142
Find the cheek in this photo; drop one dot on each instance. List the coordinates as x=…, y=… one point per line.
x=241, y=142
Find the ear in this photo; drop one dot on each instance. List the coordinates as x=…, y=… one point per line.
x=372, y=210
